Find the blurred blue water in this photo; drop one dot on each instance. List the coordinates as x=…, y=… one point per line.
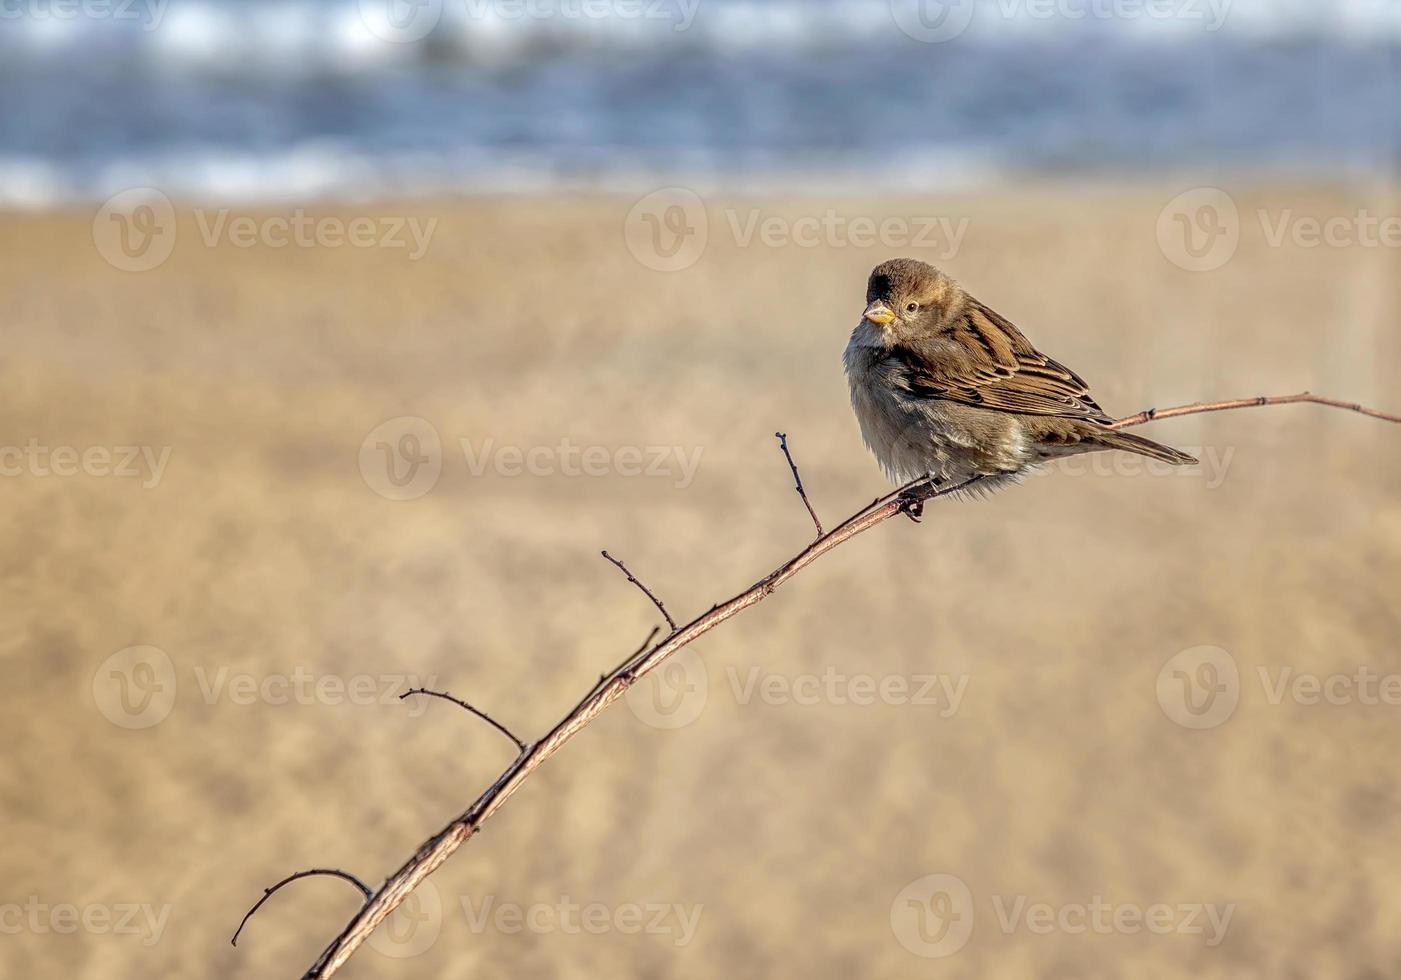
x=263, y=99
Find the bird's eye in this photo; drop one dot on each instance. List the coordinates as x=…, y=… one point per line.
x=911, y=307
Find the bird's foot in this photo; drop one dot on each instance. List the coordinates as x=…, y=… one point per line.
x=912, y=498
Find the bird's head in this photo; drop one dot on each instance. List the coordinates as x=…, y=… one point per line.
x=907, y=299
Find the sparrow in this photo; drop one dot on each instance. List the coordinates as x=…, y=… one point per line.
x=948, y=390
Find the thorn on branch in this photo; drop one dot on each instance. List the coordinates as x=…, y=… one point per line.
x=782, y=438
x=269, y=892
x=463, y=704
x=645, y=591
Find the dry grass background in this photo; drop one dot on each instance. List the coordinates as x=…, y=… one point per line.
x=792, y=827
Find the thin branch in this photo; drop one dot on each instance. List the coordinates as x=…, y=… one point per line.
x=269, y=892
x=627, y=661
x=645, y=591
x=1196, y=407
x=782, y=438
x=463, y=704
x=438, y=848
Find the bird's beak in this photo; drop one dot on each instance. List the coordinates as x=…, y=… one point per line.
x=879, y=314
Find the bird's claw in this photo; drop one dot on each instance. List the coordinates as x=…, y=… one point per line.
x=912, y=507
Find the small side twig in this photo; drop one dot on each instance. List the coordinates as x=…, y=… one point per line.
x=626, y=663
x=782, y=438
x=269, y=892
x=645, y=591
x=463, y=704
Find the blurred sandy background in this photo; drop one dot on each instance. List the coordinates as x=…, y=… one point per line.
x=789, y=830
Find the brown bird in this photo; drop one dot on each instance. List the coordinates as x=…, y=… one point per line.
x=946, y=388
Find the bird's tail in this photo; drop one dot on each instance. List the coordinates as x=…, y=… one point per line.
x=1131, y=443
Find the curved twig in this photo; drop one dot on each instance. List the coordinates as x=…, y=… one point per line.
x=645, y=591
x=463, y=704
x=269, y=892
x=434, y=851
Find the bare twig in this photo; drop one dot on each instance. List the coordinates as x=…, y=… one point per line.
x=645, y=591
x=434, y=851
x=627, y=661
x=463, y=704
x=1196, y=407
x=782, y=438
x=269, y=892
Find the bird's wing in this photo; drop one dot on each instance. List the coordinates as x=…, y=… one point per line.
x=996, y=368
